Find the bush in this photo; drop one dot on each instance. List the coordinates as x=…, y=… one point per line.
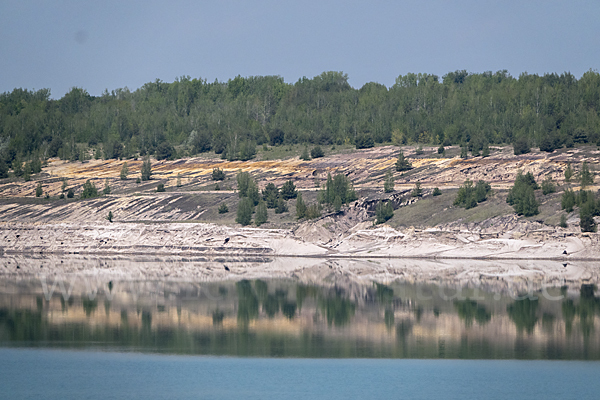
x=313, y=211
x=281, y=206
x=223, y=208
x=70, y=194
x=563, y=221
x=160, y=187
x=486, y=150
x=110, y=216
x=106, y=189
x=364, y=141
x=568, y=172
x=243, y=181
x=568, y=200
x=305, y=156
x=218, y=174
x=261, y=214
x=38, y=190
x=300, y=207
x=247, y=151
x=138, y=180
x=384, y=212
x=317, y=152
x=146, y=171
x=288, y=190
x=586, y=178
x=62, y=196
x=437, y=192
x=388, y=183
x=244, y=211
x=522, y=196
x=270, y=195
x=548, y=186
x=468, y=195
x=419, y=151
x=124, y=171
x=417, y=191
x=89, y=190
x=403, y=164
x=339, y=185
x=441, y=149
x=521, y=146
x=586, y=216
x=547, y=145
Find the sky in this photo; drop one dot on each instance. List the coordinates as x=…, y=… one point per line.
x=108, y=44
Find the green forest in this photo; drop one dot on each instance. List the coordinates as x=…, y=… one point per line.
x=191, y=116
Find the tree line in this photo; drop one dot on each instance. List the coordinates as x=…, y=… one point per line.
x=190, y=116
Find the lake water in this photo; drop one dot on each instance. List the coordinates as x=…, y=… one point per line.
x=85, y=337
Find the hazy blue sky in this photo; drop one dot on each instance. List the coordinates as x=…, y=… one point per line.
x=112, y=44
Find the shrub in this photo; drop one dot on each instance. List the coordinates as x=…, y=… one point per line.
x=70, y=194
x=437, y=192
x=388, y=183
x=468, y=195
x=383, y=212
x=403, y=164
x=138, y=180
x=441, y=149
x=417, y=191
x=586, y=178
x=244, y=211
x=38, y=190
x=160, y=187
x=146, y=171
x=586, y=216
x=521, y=146
x=243, y=181
x=486, y=150
x=270, y=194
x=261, y=214
x=568, y=172
x=317, y=152
x=106, y=189
x=364, y=141
x=89, y=190
x=522, y=196
x=124, y=171
x=313, y=211
x=179, y=180
x=217, y=187
x=281, y=206
x=110, y=216
x=339, y=185
x=563, y=221
x=568, y=200
x=253, y=193
x=62, y=196
x=548, y=186
x=218, y=174
x=223, y=208
x=300, y=207
x=288, y=191
x=304, y=156
x=419, y=150
x=337, y=204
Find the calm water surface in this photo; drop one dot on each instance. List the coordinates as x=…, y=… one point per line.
x=54, y=374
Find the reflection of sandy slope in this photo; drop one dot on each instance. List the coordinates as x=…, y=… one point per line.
x=497, y=275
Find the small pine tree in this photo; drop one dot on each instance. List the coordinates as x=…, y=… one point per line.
x=417, y=191
x=160, y=187
x=464, y=152
x=300, y=207
x=586, y=178
x=337, y=204
x=218, y=174
x=281, y=206
x=178, y=180
x=146, y=172
x=64, y=185
x=288, y=190
x=38, y=190
x=383, y=212
x=106, y=189
x=244, y=211
x=563, y=221
x=138, y=180
x=124, y=171
x=305, y=156
x=261, y=214
x=586, y=216
x=548, y=186
x=89, y=190
x=441, y=150
x=437, y=192
x=568, y=173
x=217, y=187
x=317, y=152
x=313, y=211
x=568, y=200
x=270, y=195
x=403, y=164
x=70, y=193
x=243, y=183
x=486, y=150
x=223, y=208
x=110, y=216
x=388, y=184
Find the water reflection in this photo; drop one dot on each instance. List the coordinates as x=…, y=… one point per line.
x=287, y=318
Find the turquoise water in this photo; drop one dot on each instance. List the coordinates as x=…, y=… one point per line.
x=58, y=374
